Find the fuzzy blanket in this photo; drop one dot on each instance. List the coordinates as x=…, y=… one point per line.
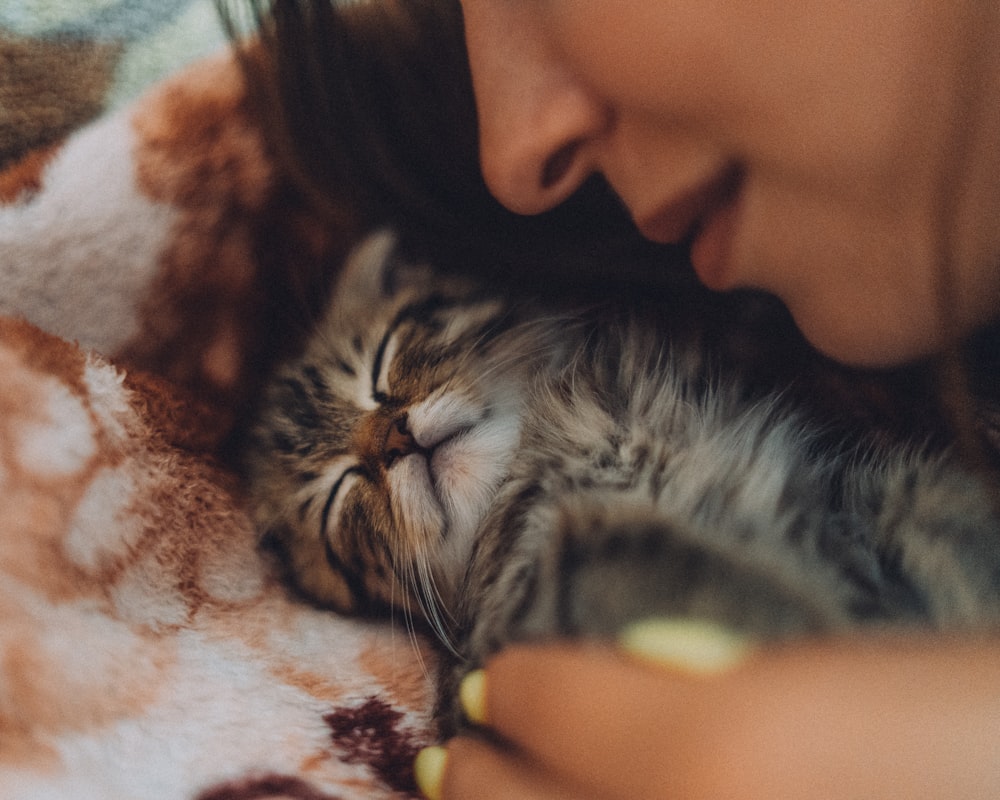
x=148, y=649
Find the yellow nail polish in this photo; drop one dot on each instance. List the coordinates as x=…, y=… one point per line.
x=472, y=694
x=428, y=769
x=697, y=647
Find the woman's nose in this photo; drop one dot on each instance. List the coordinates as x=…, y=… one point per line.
x=537, y=152
x=539, y=128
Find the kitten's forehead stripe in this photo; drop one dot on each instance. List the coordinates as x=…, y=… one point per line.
x=298, y=392
x=316, y=378
x=299, y=405
x=284, y=443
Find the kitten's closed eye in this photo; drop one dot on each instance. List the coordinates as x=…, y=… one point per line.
x=334, y=506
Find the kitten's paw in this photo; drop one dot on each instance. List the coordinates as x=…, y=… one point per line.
x=611, y=575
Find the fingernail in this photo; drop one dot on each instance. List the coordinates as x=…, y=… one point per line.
x=472, y=695
x=428, y=769
x=701, y=648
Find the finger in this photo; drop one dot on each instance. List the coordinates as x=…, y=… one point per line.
x=472, y=769
x=594, y=716
x=851, y=719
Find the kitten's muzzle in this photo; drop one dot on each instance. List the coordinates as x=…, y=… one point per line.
x=383, y=438
x=399, y=442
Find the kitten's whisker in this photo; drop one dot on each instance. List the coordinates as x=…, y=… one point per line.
x=430, y=601
x=403, y=605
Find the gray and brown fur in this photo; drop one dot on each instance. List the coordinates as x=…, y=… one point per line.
x=514, y=473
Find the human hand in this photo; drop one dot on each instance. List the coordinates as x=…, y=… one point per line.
x=851, y=718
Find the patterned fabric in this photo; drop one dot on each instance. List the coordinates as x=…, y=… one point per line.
x=66, y=61
x=148, y=648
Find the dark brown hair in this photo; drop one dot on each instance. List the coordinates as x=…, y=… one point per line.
x=370, y=108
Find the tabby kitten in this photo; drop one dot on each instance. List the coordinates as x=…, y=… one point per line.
x=515, y=473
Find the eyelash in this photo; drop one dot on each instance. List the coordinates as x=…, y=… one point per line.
x=335, y=491
x=384, y=357
x=379, y=396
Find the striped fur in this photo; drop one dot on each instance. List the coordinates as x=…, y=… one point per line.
x=515, y=474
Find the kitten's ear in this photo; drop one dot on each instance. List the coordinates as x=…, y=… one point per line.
x=370, y=272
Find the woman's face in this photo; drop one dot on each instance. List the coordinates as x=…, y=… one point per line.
x=833, y=152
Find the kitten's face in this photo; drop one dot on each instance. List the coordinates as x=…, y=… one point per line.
x=380, y=450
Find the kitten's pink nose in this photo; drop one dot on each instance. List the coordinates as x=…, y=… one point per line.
x=399, y=442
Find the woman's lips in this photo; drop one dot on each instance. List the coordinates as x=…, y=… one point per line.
x=705, y=219
x=712, y=241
